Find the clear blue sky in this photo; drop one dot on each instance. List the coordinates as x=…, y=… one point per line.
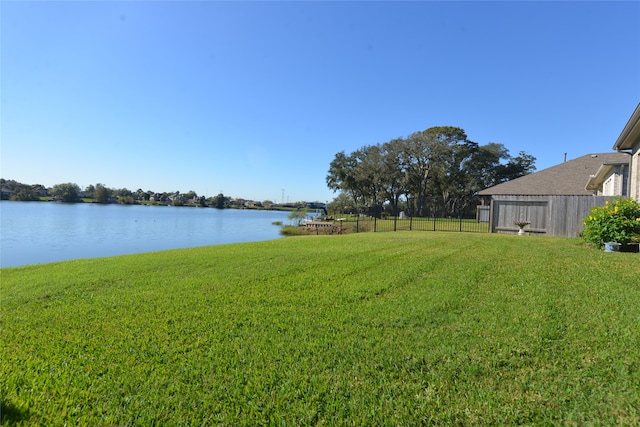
x=253, y=98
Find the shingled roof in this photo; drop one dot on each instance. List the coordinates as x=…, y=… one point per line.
x=566, y=179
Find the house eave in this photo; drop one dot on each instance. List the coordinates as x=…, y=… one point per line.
x=630, y=135
x=596, y=180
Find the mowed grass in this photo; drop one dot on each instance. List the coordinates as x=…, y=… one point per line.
x=361, y=329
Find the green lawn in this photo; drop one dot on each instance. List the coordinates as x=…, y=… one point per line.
x=361, y=329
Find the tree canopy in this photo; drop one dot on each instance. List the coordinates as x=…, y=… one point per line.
x=68, y=192
x=102, y=194
x=438, y=167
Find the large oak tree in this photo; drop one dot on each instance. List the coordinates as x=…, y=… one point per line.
x=438, y=168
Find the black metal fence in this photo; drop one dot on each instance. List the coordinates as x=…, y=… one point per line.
x=364, y=224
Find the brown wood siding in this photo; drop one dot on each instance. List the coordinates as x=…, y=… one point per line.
x=549, y=215
x=483, y=213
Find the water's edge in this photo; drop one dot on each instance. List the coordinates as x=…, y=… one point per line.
x=42, y=232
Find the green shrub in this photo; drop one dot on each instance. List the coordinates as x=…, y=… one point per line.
x=618, y=221
x=126, y=200
x=298, y=216
x=290, y=230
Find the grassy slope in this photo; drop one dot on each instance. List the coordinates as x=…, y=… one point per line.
x=379, y=328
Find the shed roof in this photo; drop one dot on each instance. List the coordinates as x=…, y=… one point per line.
x=566, y=179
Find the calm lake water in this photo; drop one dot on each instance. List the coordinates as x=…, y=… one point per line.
x=41, y=232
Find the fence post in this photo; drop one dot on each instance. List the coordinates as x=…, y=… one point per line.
x=460, y=216
x=395, y=222
x=357, y=223
x=411, y=223
x=375, y=222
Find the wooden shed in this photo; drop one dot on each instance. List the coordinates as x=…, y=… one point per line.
x=553, y=200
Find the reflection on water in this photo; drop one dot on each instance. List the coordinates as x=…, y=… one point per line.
x=39, y=232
